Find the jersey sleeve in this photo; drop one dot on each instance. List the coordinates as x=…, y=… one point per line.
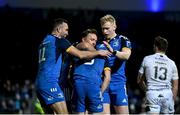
x=175, y=72
x=107, y=65
x=125, y=42
x=142, y=67
x=64, y=44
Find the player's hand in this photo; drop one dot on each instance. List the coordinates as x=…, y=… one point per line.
x=104, y=53
x=108, y=46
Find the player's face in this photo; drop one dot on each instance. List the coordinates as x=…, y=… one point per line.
x=91, y=39
x=108, y=29
x=64, y=30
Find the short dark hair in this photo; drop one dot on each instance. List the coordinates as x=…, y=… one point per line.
x=87, y=31
x=59, y=21
x=161, y=43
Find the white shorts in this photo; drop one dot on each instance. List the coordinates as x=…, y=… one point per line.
x=159, y=101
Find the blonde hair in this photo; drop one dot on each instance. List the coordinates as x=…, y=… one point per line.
x=108, y=18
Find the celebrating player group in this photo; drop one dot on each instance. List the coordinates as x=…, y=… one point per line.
x=96, y=72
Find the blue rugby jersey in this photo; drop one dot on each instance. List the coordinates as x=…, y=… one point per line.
x=90, y=71
x=117, y=65
x=50, y=59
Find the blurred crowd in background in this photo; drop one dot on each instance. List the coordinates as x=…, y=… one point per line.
x=20, y=98
x=16, y=97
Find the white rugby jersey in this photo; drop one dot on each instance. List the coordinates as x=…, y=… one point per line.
x=159, y=71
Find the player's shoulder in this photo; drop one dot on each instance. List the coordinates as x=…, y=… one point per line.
x=171, y=61
x=47, y=40
x=149, y=57
x=48, y=37
x=123, y=37
x=124, y=40
x=51, y=38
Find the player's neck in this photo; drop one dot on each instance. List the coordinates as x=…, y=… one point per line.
x=56, y=35
x=161, y=52
x=111, y=37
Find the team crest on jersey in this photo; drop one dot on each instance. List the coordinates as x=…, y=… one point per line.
x=116, y=43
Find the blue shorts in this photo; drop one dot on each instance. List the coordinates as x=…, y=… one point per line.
x=87, y=96
x=118, y=94
x=50, y=93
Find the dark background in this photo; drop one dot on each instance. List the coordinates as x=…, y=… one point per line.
x=23, y=28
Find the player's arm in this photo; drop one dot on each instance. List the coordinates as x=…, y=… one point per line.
x=66, y=45
x=87, y=54
x=141, y=81
x=124, y=54
x=175, y=82
x=141, y=75
x=175, y=88
x=107, y=78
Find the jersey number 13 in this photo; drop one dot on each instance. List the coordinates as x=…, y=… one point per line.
x=160, y=73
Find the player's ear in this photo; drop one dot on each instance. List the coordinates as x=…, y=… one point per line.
x=58, y=29
x=114, y=27
x=83, y=39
